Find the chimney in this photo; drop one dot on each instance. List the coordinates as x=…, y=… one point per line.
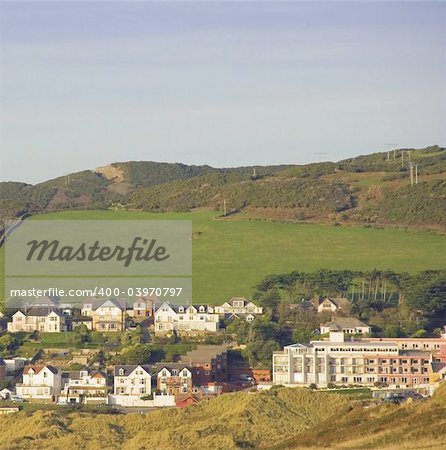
x=337, y=336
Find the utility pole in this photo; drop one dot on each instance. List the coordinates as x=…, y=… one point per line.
x=416, y=173
x=409, y=155
x=402, y=159
x=390, y=147
x=320, y=155
x=411, y=174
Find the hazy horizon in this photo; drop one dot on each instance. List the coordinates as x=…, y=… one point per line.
x=86, y=84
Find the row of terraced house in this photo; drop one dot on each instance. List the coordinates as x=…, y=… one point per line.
x=114, y=314
x=201, y=372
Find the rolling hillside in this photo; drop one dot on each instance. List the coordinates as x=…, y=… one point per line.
x=279, y=419
x=370, y=189
x=230, y=256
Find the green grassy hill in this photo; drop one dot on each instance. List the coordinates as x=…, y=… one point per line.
x=367, y=189
x=230, y=256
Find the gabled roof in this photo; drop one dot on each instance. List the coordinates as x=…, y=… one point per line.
x=439, y=367
x=128, y=369
x=176, y=308
x=45, y=301
x=239, y=299
x=96, y=303
x=340, y=302
x=38, y=369
x=39, y=311
x=171, y=366
x=76, y=374
x=186, y=398
x=146, y=301
x=345, y=322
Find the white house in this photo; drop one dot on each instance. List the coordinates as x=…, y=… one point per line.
x=5, y=394
x=349, y=325
x=41, y=319
x=332, y=304
x=238, y=305
x=106, y=314
x=185, y=318
x=40, y=383
x=84, y=386
x=132, y=380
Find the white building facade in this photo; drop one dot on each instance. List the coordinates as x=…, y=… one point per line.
x=238, y=305
x=185, y=318
x=334, y=361
x=132, y=380
x=37, y=319
x=41, y=383
x=84, y=387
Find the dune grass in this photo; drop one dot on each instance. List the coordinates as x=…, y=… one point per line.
x=240, y=420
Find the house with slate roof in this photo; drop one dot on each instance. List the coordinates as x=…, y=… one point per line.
x=43, y=319
x=185, y=318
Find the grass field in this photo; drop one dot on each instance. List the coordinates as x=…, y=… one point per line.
x=230, y=256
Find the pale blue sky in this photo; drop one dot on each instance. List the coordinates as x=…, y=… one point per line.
x=84, y=84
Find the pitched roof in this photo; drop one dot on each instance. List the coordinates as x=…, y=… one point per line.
x=239, y=299
x=76, y=374
x=38, y=369
x=344, y=322
x=176, y=307
x=96, y=303
x=171, y=366
x=437, y=367
x=128, y=369
x=40, y=311
x=184, y=398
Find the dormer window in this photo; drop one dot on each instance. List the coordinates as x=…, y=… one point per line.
x=201, y=308
x=121, y=371
x=180, y=309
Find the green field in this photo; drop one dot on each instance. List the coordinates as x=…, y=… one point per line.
x=230, y=256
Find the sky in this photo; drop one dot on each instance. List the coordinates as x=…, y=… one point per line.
x=84, y=84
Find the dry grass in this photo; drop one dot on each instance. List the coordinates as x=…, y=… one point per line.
x=240, y=420
x=279, y=419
